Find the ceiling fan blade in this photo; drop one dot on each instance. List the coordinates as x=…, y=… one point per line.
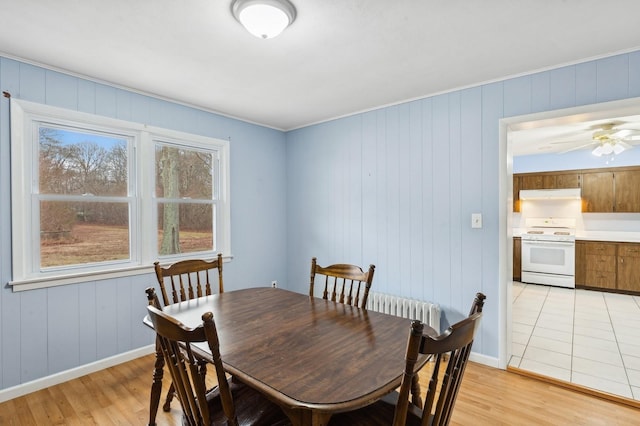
x=562, y=142
x=575, y=148
x=625, y=134
x=632, y=141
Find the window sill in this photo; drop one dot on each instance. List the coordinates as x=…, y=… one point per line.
x=53, y=281
x=44, y=282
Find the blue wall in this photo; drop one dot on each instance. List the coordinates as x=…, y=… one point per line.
x=572, y=160
x=396, y=187
x=46, y=331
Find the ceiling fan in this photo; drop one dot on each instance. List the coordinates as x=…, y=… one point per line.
x=609, y=139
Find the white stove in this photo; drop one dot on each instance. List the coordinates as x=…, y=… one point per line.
x=550, y=229
x=548, y=251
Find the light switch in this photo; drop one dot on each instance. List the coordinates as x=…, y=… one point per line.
x=476, y=220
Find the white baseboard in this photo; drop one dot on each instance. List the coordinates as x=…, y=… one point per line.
x=74, y=373
x=484, y=359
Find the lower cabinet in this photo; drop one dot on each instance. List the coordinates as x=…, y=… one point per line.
x=629, y=267
x=600, y=260
x=581, y=266
x=608, y=265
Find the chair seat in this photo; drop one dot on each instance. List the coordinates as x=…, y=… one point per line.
x=380, y=413
x=252, y=408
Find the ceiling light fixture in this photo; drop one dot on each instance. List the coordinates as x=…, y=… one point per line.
x=264, y=18
x=609, y=146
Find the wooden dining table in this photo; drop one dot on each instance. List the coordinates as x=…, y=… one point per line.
x=311, y=356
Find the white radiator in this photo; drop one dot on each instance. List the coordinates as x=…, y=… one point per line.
x=427, y=312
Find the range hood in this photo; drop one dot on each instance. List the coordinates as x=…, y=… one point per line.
x=550, y=194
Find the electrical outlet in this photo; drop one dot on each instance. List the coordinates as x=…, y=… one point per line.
x=274, y=284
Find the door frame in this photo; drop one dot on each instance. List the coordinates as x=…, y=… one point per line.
x=506, y=125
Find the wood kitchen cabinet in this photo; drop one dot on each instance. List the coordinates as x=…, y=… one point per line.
x=537, y=181
x=627, y=191
x=600, y=264
x=545, y=180
x=549, y=180
x=517, y=259
x=568, y=180
x=516, y=193
x=628, y=267
x=597, y=192
x=608, y=266
x=603, y=190
x=581, y=263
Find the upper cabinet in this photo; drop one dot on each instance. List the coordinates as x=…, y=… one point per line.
x=549, y=180
x=597, y=192
x=546, y=180
x=568, y=180
x=537, y=181
x=603, y=190
x=627, y=191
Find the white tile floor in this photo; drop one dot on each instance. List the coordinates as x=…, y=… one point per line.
x=585, y=337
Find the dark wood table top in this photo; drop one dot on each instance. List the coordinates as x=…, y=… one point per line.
x=312, y=356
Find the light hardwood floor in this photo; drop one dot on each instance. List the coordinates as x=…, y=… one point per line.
x=120, y=396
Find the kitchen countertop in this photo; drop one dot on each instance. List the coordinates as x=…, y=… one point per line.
x=613, y=236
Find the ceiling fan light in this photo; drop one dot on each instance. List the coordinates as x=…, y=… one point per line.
x=618, y=148
x=598, y=151
x=264, y=18
x=607, y=148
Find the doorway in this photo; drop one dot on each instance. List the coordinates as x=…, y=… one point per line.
x=542, y=123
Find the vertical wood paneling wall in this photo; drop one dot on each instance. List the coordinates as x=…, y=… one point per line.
x=46, y=331
x=396, y=186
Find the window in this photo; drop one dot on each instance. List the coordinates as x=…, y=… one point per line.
x=185, y=199
x=94, y=196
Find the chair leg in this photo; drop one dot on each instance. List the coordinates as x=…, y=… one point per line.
x=167, y=404
x=415, y=391
x=156, y=386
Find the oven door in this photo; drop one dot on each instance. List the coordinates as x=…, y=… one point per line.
x=548, y=257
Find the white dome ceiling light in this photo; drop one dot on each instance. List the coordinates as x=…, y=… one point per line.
x=264, y=18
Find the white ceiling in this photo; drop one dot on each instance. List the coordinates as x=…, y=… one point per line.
x=339, y=56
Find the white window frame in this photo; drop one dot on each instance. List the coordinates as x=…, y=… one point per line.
x=25, y=117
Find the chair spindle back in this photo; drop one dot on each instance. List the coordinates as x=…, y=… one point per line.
x=188, y=279
x=343, y=283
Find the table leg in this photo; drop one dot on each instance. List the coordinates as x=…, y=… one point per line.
x=156, y=386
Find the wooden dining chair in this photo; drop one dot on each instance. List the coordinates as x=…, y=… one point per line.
x=189, y=279
x=478, y=303
x=229, y=403
x=343, y=283
x=476, y=306
x=450, y=351
x=183, y=280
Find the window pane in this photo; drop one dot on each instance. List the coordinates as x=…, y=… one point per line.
x=78, y=162
x=185, y=228
x=73, y=233
x=183, y=173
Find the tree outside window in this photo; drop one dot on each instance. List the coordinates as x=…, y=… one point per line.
x=83, y=197
x=186, y=199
